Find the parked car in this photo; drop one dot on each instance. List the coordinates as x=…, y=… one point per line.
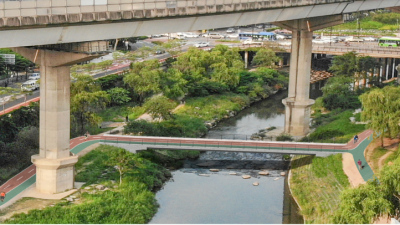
x=231, y=30
x=215, y=36
x=156, y=35
x=201, y=44
x=34, y=76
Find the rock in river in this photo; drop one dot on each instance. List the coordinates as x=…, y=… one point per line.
x=214, y=170
x=246, y=176
x=256, y=184
x=263, y=173
x=283, y=173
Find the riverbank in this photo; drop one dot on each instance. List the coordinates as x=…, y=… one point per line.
x=103, y=199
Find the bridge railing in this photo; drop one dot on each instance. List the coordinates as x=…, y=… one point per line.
x=55, y=11
x=356, y=48
x=225, y=144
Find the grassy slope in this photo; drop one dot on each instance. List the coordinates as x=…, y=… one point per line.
x=335, y=122
x=316, y=184
x=213, y=106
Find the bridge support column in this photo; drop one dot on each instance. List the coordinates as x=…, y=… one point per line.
x=246, y=59
x=297, y=104
x=54, y=164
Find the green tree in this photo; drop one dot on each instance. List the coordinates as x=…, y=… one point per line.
x=172, y=84
x=361, y=205
x=86, y=100
x=366, y=66
x=21, y=63
x=159, y=107
x=118, y=96
x=381, y=107
x=265, y=57
x=144, y=78
x=123, y=161
x=345, y=65
x=3, y=69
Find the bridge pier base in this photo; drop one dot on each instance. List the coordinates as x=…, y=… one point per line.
x=54, y=163
x=297, y=104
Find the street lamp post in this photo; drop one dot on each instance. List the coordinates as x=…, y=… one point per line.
x=358, y=24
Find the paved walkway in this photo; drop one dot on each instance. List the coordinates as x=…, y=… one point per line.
x=27, y=177
x=19, y=105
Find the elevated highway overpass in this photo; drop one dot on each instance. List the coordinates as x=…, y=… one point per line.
x=60, y=33
x=44, y=22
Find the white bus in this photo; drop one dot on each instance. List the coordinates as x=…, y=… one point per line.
x=30, y=85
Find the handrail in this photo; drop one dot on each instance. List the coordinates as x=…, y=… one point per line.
x=228, y=144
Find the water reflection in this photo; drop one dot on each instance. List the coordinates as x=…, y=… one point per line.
x=219, y=199
x=266, y=113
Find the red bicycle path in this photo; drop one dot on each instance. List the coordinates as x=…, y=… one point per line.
x=27, y=177
x=19, y=105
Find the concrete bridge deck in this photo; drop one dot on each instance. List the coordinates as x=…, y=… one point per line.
x=44, y=22
x=27, y=177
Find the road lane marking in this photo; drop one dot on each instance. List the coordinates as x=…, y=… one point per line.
x=20, y=178
x=31, y=170
x=6, y=187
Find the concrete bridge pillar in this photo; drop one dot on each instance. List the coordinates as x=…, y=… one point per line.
x=54, y=164
x=297, y=104
x=246, y=59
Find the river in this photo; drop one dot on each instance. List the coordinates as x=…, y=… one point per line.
x=194, y=195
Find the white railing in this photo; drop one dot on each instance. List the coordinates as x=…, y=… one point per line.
x=130, y=8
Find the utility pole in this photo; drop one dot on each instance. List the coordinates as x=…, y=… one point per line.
x=358, y=24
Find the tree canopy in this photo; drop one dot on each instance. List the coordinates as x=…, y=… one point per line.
x=381, y=107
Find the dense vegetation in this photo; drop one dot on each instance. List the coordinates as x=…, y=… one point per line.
x=19, y=140
x=316, y=183
x=130, y=202
x=378, y=197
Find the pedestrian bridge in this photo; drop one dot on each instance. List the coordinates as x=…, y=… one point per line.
x=139, y=143
x=44, y=22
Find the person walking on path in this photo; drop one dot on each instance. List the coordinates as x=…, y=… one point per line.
x=87, y=134
x=359, y=164
x=2, y=196
x=355, y=138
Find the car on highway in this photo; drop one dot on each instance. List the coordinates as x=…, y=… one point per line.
x=30, y=85
x=201, y=44
x=233, y=36
x=231, y=30
x=34, y=76
x=320, y=41
x=215, y=36
x=190, y=35
x=369, y=39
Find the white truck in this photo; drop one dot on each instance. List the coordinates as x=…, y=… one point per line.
x=30, y=85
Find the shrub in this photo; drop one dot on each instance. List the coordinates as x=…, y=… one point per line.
x=334, y=101
x=284, y=137
x=110, y=81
